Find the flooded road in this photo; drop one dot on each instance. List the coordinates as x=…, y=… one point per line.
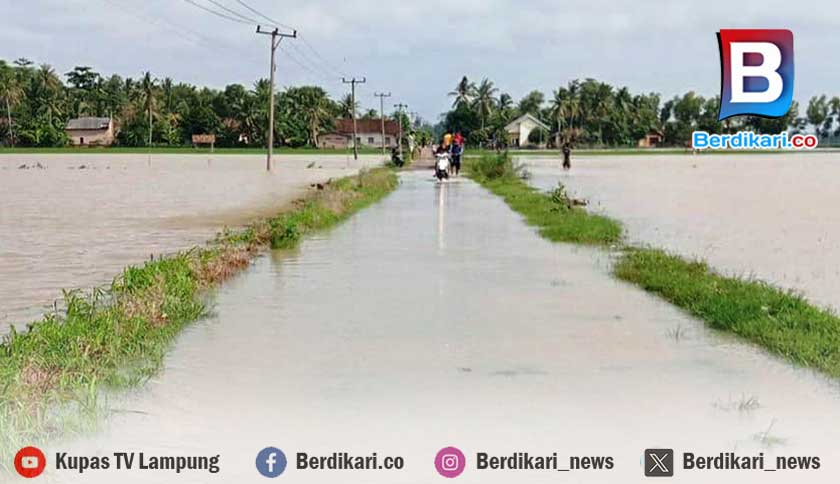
x=773, y=216
x=74, y=221
x=437, y=318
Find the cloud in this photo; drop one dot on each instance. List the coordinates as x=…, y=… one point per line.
x=420, y=49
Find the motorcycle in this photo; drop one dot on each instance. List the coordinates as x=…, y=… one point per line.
x=442, y=164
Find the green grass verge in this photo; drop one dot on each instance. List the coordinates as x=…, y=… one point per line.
x=183, y=150
x=782, y=321
x=52, y=374
x=554, y=214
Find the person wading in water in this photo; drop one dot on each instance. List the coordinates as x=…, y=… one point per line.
x=567, y=156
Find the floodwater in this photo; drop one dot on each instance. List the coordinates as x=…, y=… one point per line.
x=437, y=318
x=75, y=221
x=772, y=216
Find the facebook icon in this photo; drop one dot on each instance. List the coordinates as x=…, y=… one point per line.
x=271, y=462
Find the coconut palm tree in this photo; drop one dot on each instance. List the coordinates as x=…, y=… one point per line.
x=485, y=100
x=11, y=94
x=148, y=86
x=464, y=93
x=166, y=86
x=346, y=107
x=48, y=87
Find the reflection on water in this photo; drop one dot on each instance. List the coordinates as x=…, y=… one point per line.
x=375, y=338
x=773, y=216
x=75, y=221
x=441, y=194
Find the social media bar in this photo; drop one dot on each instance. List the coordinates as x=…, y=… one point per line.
x=449, y=462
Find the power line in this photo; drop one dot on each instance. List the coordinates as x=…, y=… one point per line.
x=217, y=13
x=176, y=29
x=180, y=30
x=260, y=14
x=233, y=12
x=322, y=72
x=309, y=46
x=317, y=54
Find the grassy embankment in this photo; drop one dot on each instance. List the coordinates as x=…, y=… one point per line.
x=781, y=321
x=183, y=150
x=52, y=374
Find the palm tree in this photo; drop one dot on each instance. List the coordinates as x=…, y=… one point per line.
x=485, y=99
x=166, y=86
x=505, y=102
x=48, y=88
x=573, y=102
x=148, y=86
x=11, y=93
x=559, y=109
x=603, y=106
x=463, y=93
x=346, y=107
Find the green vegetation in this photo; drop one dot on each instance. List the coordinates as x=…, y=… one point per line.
x=555, y=215
x=592, y=113
x=782, y=321
x=52, y=374
x=36, y=103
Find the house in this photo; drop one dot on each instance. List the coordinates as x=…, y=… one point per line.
x=91, y=131
x=369, y=134
x=653, y=139
x=520, y=128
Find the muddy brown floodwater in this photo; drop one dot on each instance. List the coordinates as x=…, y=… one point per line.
x=437, y=318
x=70, y=222
x=772, y=216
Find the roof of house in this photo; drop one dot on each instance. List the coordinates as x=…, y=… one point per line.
x=89, y=123
x=521, y=119
x=364, y=126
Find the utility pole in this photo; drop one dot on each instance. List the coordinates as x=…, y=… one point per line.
x=276, y=37
x=353, y=83
x=382, y=97
x=400, y=107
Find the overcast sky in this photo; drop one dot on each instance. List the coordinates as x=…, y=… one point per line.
x=419, y=50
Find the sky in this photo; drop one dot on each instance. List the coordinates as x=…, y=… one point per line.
x=419, y=50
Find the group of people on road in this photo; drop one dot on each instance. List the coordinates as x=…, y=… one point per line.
x=454, y=145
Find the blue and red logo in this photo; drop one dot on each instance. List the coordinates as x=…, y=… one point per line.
x=756, y=72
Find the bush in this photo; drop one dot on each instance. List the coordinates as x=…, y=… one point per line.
x=496, y=167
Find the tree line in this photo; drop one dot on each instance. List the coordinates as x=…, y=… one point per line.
x=593, y=113
x=37, y=103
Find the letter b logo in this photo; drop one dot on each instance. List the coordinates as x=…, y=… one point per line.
x=757, y=72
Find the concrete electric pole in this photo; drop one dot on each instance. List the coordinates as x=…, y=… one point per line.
x=276, y=37
x=382, y=97
x=400, y=108
x=353, y=83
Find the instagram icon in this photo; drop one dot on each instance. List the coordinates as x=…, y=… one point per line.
x=450, y=462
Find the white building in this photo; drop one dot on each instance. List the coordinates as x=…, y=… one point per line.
x=368, y=134
x=520, y=128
